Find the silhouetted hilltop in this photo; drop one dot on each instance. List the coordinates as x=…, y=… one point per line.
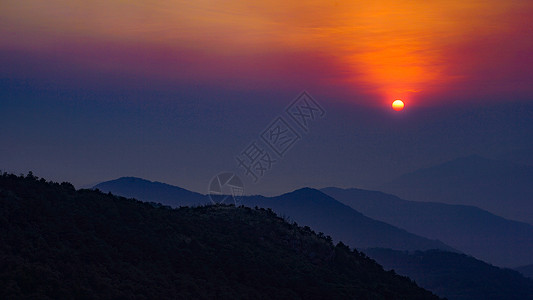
x=57, y=242
x=456, y=276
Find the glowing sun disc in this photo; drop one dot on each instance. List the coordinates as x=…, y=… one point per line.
x=398, y=105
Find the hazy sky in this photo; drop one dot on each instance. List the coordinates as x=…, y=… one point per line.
x=175, y=90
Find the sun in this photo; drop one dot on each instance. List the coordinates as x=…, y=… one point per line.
x=398, y=105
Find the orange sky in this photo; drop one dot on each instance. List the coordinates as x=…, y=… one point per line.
x=414, y=50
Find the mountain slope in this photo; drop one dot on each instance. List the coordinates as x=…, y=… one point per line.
x=57, y=242
x=456, y=276
x=152, y=191
x=474, y=231
x=322, y=213
x=500, y=187
x=307, y=207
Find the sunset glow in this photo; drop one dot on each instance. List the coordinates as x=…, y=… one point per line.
x=414, y=49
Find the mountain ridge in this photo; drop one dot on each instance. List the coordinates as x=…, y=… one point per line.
x=59, y=242
x=316, y=219
x=151, y=191
x=500, y=187
x=311, y=207
x=469, y=229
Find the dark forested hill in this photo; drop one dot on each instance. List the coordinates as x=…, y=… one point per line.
x=456, y=276
x=56, y=242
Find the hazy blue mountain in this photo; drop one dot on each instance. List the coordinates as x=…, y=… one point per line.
x=307, y=206
x=455, y=276
x=501, y=187
x=60, y=243
x=526, y=270
x=323, y=213
x=152, y=191
x=469, y=229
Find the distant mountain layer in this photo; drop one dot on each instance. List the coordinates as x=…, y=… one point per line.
x=469, y=229
x=526, y=271
x=456, y=276
x=323, y=213
x=306, y=206
x=501, y=187
x=152, y=191
x=59, y=243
